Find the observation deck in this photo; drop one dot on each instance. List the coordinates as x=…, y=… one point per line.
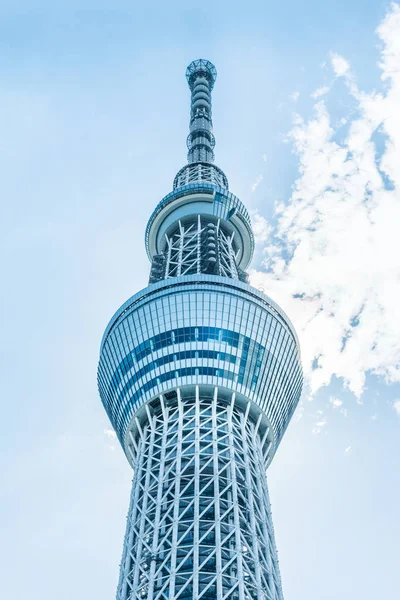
x=209, y=201
x=200, y=330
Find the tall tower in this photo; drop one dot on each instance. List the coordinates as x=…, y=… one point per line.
x=199, y=374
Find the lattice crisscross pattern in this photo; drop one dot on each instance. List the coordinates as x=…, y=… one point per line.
x=197, y=246
x=199, y=523
x=200, y=172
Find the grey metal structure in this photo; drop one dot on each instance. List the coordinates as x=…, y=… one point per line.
x=200, y=374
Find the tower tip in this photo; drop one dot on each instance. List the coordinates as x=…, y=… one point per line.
x=201, y=68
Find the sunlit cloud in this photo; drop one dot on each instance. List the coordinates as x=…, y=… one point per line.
x=340, y=65
x=261, y=228
x=331, y=260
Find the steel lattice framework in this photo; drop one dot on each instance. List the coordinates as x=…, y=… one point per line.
x=196, y=172
x=200, y=247
x=199, y=374
x=199, y=523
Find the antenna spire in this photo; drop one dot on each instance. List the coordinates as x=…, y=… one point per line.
x=201, y=75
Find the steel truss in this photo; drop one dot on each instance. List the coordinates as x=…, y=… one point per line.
x=199, y=523
x=199, y=172
x=200, y=247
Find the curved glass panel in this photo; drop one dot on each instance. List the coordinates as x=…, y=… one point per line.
x=200, y=333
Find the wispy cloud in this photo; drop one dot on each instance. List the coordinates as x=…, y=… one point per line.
x=294, y=96
x=256, y=183
x=332, y=261
x=321, y=91
x=320, y=424
x=110, y=433
x=396, y=406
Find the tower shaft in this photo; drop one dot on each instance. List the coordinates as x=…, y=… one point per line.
x=199, y=523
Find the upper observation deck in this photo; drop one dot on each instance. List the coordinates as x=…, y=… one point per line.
x=207, y=200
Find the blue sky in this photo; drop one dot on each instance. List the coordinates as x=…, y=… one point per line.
x=94, y=112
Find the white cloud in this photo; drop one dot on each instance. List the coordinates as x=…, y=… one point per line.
x=335, y=402
x=110, y=433
x=348, y=450
x=256, y=183
x=264, y=157
x=396, y=406
x=320, y=423
x=320, y=92
x=340, y=65
x=294, y=96
x=333, y=262
x=261, y=228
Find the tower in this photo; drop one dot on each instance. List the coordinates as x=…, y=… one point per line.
x=199, y=374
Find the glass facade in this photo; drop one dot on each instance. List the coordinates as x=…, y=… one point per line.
x=199, y=329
